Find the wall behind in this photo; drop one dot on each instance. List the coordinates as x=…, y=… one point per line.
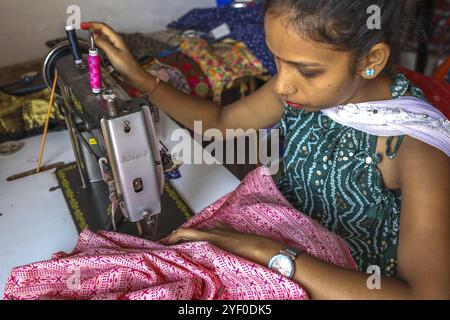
x=25, y=25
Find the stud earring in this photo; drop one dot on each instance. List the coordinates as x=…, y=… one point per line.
x=370, y=72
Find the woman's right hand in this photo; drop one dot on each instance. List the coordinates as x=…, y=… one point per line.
x=118, y=54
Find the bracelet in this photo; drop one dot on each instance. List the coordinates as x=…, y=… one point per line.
x=150, y=92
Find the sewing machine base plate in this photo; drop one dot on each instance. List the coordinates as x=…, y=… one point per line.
x=89, y=207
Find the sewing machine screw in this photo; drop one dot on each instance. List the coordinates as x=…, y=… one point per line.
x=127, y=127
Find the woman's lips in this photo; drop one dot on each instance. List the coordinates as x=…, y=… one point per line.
x=295, y=105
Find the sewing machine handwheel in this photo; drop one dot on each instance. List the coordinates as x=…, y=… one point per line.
x=62, y=49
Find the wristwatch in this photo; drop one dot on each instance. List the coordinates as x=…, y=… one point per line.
x=284, y=261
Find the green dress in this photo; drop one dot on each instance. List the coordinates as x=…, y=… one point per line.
x=330, y=173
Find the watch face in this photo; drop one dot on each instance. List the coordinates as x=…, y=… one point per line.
x=283, y=265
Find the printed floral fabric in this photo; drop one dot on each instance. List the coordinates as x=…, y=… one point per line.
x=195, y=77
x=223, y=62
x=168, y=74
x=246, y=25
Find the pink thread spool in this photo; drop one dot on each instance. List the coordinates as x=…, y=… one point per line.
x=95, y=73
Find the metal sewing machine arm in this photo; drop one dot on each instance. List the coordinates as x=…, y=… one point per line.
x=112, y=135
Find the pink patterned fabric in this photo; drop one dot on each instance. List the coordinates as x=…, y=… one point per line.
x=109, y=265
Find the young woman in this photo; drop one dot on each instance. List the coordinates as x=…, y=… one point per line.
x=387, y=196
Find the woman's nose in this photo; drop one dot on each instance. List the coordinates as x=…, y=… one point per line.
x=282, y=84
x=284, y=88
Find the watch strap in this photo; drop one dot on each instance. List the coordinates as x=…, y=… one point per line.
x=293, y=252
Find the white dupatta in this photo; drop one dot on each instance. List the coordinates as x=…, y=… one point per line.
x=406, y=115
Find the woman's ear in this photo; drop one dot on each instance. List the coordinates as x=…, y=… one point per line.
x=375, y=61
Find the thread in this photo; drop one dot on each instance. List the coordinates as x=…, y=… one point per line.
x=74, y=46
x=95, y=74
x=47, y=119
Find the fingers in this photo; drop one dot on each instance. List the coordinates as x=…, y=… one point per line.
x=223, y=226
x=184, y=234
x=210, y=235
x=98, y=27
x=85, y=25
x=104, y=35
x=105, y=45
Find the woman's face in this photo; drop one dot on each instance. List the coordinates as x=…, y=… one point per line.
x=309, y=74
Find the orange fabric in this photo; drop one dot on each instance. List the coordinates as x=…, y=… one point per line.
x=441, y=72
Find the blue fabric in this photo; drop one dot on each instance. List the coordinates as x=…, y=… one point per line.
x=221, y=3
x=246, y=25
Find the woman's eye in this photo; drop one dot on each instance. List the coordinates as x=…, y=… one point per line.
x=309, y=74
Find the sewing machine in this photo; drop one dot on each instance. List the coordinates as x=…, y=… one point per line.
x=34, y=208
x=114, y=143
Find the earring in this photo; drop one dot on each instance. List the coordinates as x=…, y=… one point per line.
x=370, y=72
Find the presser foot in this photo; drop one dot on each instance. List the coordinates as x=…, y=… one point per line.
x=148, y=227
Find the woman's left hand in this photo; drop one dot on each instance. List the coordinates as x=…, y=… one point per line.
x=249, y=246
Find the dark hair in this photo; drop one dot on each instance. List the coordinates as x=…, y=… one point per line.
x=342, y=24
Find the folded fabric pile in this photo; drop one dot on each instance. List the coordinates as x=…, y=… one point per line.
x=21, y=116
x=246, y=25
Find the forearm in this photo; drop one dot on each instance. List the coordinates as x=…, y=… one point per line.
x=183, y=107
x=323, y=280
